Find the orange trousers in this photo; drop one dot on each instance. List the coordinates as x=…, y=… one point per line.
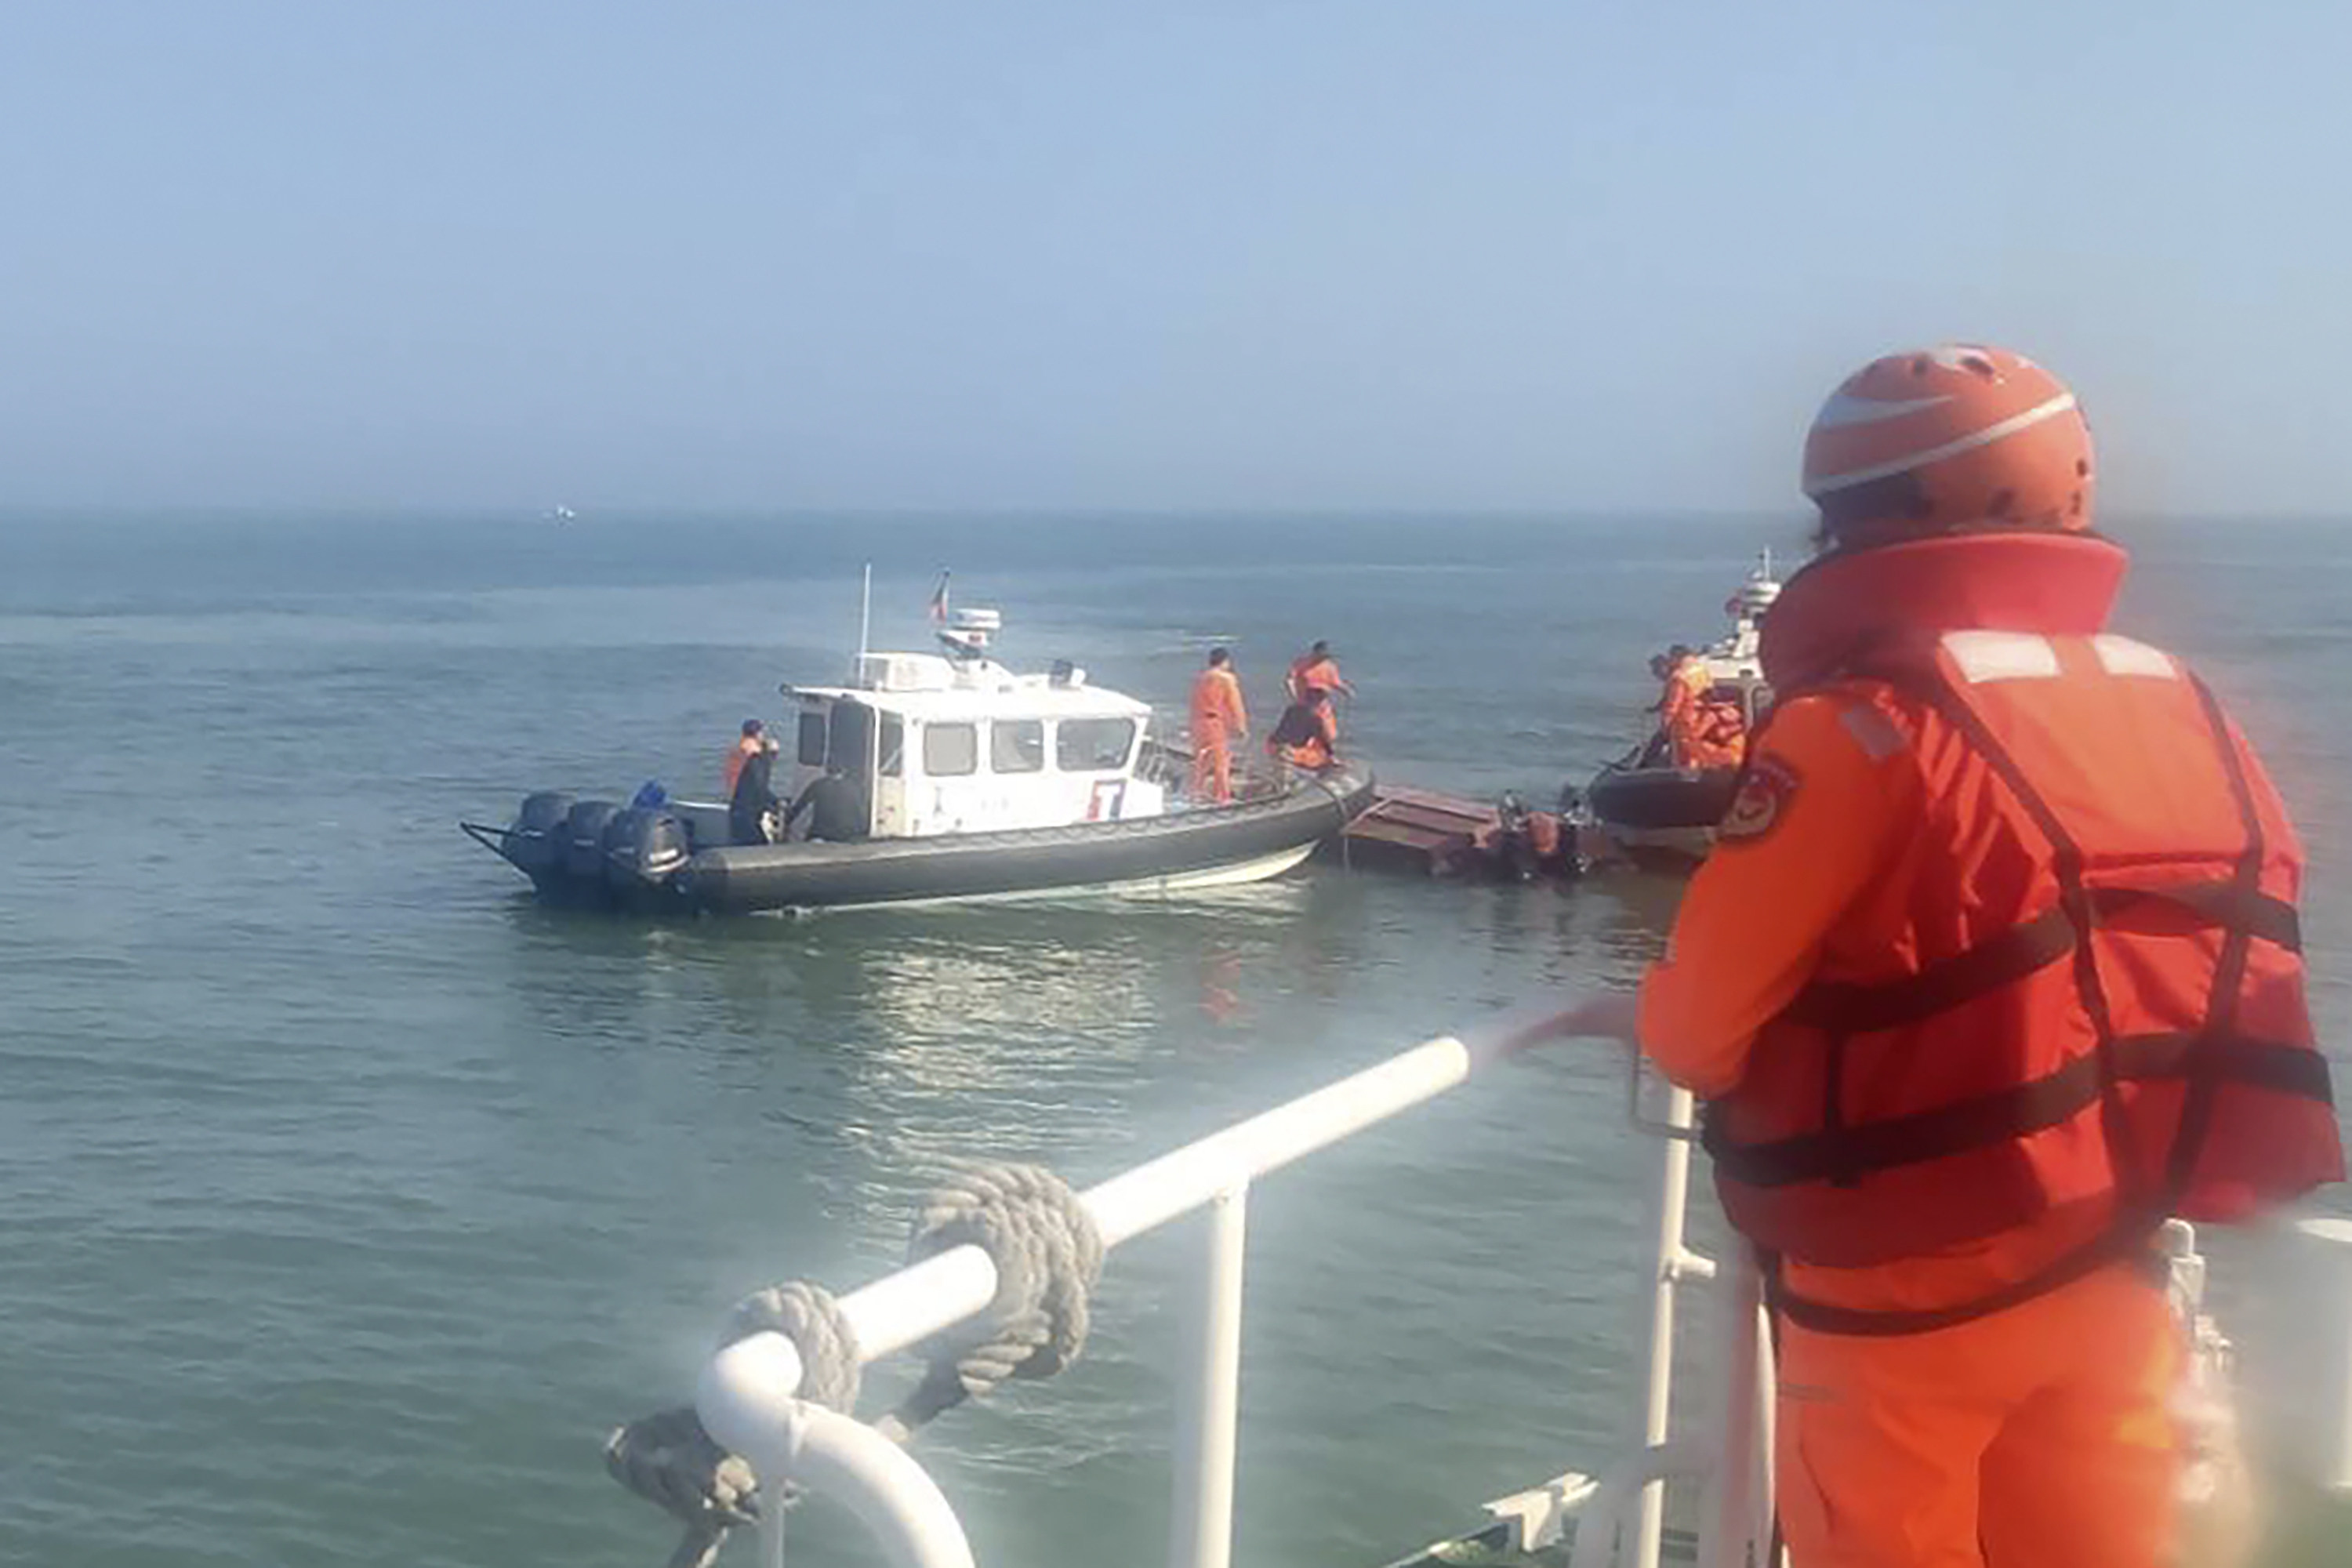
x=2037, y=1437
x=1212, y=771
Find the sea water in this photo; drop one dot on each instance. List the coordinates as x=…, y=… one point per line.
x=347, y=1196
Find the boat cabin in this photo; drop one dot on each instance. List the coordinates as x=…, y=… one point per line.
x=1732, y=661
x=955, y=743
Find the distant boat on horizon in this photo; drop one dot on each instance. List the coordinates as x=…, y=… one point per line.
x=563, y=513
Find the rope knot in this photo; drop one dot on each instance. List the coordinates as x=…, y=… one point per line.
x=1047, y=1255
x=807, y=1315
x=669, y=1460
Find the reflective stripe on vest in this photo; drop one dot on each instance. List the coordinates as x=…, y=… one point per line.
x=1904, y=1116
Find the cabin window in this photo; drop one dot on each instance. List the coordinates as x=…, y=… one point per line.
x=848, y=746
x=894, y=746
x=1016, y=745
x=950, y=750
x=811, y=748
x=1092, y=745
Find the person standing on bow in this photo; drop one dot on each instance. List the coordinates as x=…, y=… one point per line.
x=1994, y=966
x=1315, y=669
x=1219, y=720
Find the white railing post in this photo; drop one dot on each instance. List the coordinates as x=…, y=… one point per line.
x=2298, y=1360
x=1599, y=1525
x=747, y=1404
x=771, y=1535
x=1200, y=1523
x=1740, y=1533
x=1671, y=1264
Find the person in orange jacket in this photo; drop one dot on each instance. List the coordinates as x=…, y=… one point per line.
x=1994, y=966
x=1702, y=731
x=1316, y=668
x=1219, y=719
x=750, y=744
x=1307, y=737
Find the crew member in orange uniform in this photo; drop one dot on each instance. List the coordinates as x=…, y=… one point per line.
x=1701, y=731
x=1308, y=736
x=1316, y=667
x=1995, y=965
x=1218, y=720
x=753, y=740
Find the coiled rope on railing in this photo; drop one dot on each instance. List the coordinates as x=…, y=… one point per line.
x=1047, y=1255
x=670, y=1461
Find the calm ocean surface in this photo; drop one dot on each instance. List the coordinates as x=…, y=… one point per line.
x=347, y=1197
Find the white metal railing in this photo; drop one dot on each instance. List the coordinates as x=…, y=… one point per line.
x=747, y=1396
x=748, y=1401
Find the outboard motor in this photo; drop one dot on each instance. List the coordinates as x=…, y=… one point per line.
x=535, y=842
x=583, y=840
x=1516, y=855
x=642, y=848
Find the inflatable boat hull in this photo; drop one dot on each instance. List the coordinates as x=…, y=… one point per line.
x=1661, y=814
x=1188, y=849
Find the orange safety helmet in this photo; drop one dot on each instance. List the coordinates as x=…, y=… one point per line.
x=1956, y=439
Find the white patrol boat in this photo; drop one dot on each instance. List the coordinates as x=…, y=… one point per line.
x=1645, y=805
x=968, y=781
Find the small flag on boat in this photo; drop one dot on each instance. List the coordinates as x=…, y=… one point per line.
x=940, y=600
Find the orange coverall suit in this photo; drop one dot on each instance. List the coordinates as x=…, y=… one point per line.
x=1307, y=673
x=2039, y=1436
x=1218, y=720
x=1703, y=732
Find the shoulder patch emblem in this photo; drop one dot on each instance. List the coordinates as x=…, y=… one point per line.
x=1764, y=791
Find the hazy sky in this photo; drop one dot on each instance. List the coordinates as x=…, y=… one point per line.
x=1545, y=255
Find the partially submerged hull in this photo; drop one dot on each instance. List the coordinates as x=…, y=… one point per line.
x=654, y=865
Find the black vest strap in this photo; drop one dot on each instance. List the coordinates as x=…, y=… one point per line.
x=2020, y=950
x=2228, y=970
x=1845, y=1152
x=2225, y=903
x=2000, y=961
x=2129, y=1238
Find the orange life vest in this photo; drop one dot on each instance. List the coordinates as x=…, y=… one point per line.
x=1309, y=671
x=744, y=751
x=1704, y=729
x=2091, y=1004
x=1717, y=734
